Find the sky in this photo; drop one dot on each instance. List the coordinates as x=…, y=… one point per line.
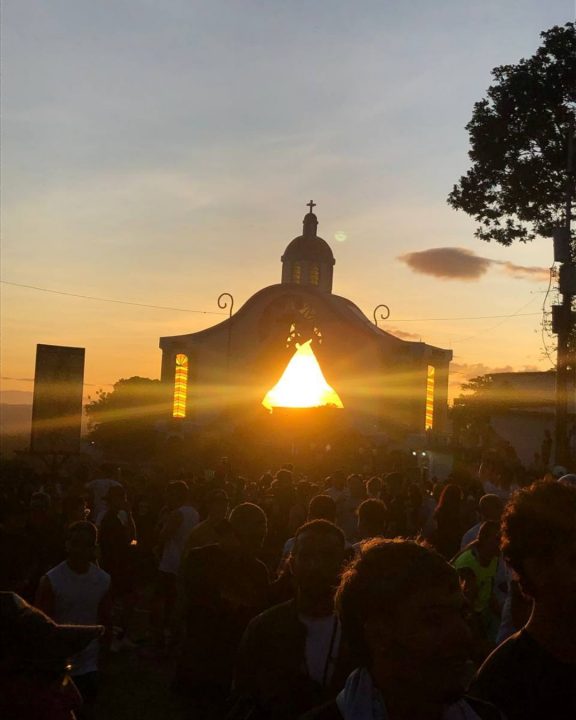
x=162, y=152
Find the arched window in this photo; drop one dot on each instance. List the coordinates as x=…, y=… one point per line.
x=314, y=275
x=180, y=386
x=296, y=273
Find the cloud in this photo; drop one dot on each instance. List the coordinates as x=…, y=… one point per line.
x=455, y=263
x=448, y=263
x=472, y=370
x=402, y=334
x=525, y=273
x=461, y=373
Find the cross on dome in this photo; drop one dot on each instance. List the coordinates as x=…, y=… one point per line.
x=311, y=205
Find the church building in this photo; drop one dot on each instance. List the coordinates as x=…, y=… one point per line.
x=296, y=344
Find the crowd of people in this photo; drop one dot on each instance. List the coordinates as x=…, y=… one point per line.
x=353, y=597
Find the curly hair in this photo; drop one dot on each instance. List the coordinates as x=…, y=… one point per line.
x=380, y=580
x=538, y=521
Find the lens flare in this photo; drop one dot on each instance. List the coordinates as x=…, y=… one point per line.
x=302, y=384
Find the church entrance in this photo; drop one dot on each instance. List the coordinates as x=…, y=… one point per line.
x=302, y=384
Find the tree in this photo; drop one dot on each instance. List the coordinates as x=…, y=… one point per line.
x=123, y=423
x=516, y=187
x=522, y=182
x=472, y=412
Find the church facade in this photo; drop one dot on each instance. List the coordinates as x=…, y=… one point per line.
x=384, y=384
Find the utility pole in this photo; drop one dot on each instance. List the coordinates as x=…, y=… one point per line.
x=563, y=317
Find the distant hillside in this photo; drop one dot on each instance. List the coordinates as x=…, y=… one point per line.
x=15, y=424
x=15, y=419
x=16, y=397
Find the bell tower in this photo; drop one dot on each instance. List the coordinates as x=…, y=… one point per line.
x=308, y=259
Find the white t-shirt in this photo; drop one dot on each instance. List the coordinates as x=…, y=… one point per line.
x=77, y=597
x=173, y=548
x=323, y=637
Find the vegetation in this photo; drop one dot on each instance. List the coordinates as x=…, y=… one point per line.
x=123, y=423
x=516, y=186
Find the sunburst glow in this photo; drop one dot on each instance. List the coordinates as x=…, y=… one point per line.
x=302, y=384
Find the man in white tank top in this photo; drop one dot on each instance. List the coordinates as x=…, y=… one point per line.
x=174, y=534
x=76, y=592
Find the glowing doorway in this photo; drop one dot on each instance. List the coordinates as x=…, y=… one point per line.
x=302, y=384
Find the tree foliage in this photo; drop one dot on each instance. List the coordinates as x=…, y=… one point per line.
x=473, y=412
x=123, y=422
x=483, y=398
x=516, y=186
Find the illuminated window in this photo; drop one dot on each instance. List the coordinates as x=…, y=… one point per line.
x=430, y=398
x=314, y=275
x=297, y=274
x=180, y=386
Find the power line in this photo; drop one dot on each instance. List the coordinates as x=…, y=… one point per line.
x=111, y=300
x=493, y=327
x=474, y=317
x=214, y=312
x=31, y=380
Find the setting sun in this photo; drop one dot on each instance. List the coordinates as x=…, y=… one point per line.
x=302, y=384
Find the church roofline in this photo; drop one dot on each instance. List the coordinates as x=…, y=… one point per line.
x=346, y=309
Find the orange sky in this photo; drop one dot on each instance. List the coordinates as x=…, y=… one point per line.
x=165, y=158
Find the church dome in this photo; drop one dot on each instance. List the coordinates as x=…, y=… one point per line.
x=308, y=259
x=309, y=247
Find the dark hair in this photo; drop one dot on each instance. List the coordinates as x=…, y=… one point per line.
x=449, y=502
x=487, y=528
x=40, y=501
x=337, y=479
x=303, y=490
x=491, y=461
x=395, y=481
x=247, y=513
x=538, y=522
x=374, y=481
x=320, y=527
x=372, y=512
x=380, y=580
x=322, y=507
x=82, y=527
x=177, y=491
x=284, y=476
x=490, y=504
x=265, y=480
x=224, y=529
x=216, y=498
